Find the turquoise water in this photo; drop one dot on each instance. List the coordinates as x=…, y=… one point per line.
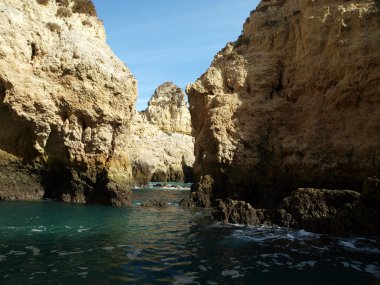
x=46, y=242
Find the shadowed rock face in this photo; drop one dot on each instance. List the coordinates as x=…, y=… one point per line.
x=65, y=101
x=319, y=210
x=293, y=103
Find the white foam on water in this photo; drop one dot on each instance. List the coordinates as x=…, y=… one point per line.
x=64, y=253
x=261, y=263
x=83, y=268
x=36, y=230
x=168, y=259
x=35, y=250
x=2, y=257
x=134, y=254
x=356, y=267
x=354, y=246
x=109, y=248
x=231, y=273
x=268, y=233
x=83, y=274
x=81, y=229
x=211, y=283
x=202, y=268
x=302, y=264
x=373, y=270
x=16, y=252
x=274, y=255
x=184, y=279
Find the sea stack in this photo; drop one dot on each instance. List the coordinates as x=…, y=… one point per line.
x=64, y=101
x=168, y=109
x=293, y=103
x=160, y=145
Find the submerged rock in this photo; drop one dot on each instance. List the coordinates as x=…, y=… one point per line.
x=155, y=204
x=65, y=101
x=321, y=210
x=294, y=102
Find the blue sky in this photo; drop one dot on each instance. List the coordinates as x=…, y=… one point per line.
x=170, y=40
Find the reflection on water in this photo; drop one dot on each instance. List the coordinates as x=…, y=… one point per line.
x=53, y=243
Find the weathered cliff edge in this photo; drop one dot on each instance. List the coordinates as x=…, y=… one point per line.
x=293, y=103
x=159, y=146
x=65, y=101
x=168, y=110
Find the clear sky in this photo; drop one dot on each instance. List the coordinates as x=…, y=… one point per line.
x=170, y=40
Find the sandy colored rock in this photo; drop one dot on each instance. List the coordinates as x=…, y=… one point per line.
x=158, y=155
x=168, y=110
x=65, y=99
x=294, y=102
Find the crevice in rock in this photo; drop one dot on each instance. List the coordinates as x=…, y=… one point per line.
x=2, y=90
x=17, y=137
x=57, y=177
x=34, y=51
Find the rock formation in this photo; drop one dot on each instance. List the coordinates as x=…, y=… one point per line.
x=167, y=109
x=65, y=101
x=158, y=145
x=293, y=103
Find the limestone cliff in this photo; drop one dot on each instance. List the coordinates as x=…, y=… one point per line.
x=64, y=101
x=167, y=109
x=293, y=103
x=158, y=145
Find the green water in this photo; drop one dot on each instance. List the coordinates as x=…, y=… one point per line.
x=54, y=243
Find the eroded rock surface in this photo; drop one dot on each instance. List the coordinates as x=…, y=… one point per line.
x=160, y=153
x=65, y=100
x=168, y=110
x=318, y=210
x=294, y=102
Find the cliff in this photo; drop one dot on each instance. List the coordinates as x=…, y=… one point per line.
x=167, y=109
x=159, y=146
x=65, y=99
x=293, y=103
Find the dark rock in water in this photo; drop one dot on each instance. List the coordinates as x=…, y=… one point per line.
x=317, y=210
x=321, y=210
x=368, y=212
x=200, y=196
x=237, y=212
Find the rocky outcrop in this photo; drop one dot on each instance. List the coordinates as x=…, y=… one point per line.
x=157, y=155
x=168, y=110
x=318, y=210
x=66, y=102
x=293, y=103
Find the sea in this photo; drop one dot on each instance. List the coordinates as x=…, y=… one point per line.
x=47, y=242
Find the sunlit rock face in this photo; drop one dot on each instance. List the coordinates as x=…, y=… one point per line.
x=293, y=103
x=160, y=147
x=65, y=100
x=168, y=110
